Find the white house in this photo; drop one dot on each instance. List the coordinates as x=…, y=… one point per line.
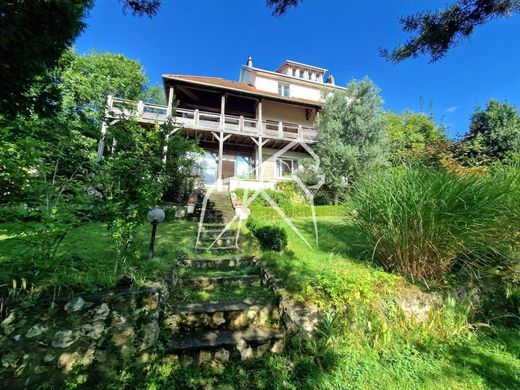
x=240, y=123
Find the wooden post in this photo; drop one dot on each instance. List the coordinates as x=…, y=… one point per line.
x=260, y=142
x=169, y=111
x=196, y=117
x=259, y=115
x=222, y=112
x=220, y=138
x=140, y=108
x=241, y=123
x=299, y=131
x=280, y=129
x=101, y=145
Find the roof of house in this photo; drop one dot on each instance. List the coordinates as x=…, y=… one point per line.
x=237, y=86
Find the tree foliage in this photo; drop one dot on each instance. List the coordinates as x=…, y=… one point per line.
x=33, y=35
x=87, y=80
x=494, y=134
x=435, y=32
x=411, y=136
x=351, y=134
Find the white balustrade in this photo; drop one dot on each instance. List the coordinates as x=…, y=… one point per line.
x=156, y=113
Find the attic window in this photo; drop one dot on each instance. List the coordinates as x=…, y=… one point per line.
x=283, y=89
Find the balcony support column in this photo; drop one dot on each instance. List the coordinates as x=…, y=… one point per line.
x=259, y=114
x=101, y=145
x=220, y=138
x=223, y=112
x=169, y=111
x=260, y=142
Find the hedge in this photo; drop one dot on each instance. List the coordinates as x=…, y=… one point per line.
x=262, y=212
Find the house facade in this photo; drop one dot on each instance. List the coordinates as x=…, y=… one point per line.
x=240, y=124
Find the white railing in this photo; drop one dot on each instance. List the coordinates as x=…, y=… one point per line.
x=203, y=120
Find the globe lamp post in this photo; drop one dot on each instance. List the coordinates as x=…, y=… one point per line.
x=155, y=217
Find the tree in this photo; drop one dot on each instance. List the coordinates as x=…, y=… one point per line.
x=87, y=80
x=33, y=37
x=437, y=31
x=411, y=136
x=494, y=134
x=351, y=134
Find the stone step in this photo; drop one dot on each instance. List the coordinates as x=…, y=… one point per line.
x=224, y=262
x=216, y=248
x=220, y=241
x=219, y=280
x=229, y=315
x=245, y=344
x=216, y=233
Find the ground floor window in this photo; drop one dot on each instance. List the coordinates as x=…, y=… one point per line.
x=239, y=166
x=286, y=167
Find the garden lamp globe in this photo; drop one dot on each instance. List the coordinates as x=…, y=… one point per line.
x=155, y=217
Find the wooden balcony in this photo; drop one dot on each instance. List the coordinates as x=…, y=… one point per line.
x=209, y=121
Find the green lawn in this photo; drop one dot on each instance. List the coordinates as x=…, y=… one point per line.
x=369, y=345
x=87, y=260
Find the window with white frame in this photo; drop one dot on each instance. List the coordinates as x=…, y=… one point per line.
x=286, y=167
x=283, y=89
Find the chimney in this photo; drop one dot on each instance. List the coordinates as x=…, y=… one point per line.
x=249, y=62
x=330, y=80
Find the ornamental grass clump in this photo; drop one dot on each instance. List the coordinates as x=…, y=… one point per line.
x=422, y=223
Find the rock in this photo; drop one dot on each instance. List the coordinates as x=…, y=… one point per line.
x=151, y=302
x=262, y=349
x=74, y=305
x=151, y=334
x=263, y=315
x=204, y=357
x=49, y=357
x=252, y=313
x=94, y=331
x=35, y=331
x=68, y=361
x=7, y=325
x=143, y=358
x=118, y=320
x=121, y=338
x=17, y=337
x=9, y=360
x=172, y=322
x=278, y=347
x=222, y=355
x=64, y=339
x=218, y=318
x=237, y=320
x=246, y=352
x=100, y=313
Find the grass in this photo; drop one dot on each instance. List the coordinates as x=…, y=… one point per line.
x=372, y=345
x=422, y=222
x=86, y=259
x=221, y=271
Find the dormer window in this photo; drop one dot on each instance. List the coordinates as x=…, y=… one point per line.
x=300, y=73
x=283, y=89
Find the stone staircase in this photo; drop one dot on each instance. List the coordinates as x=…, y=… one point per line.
x=219, y=211
x=223, y=312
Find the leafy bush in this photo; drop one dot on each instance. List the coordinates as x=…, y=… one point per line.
x=270, y=237
x=422, y=222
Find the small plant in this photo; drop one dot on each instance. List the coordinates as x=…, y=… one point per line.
x=270, y=237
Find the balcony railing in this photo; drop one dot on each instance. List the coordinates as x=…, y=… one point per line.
x=202, y=120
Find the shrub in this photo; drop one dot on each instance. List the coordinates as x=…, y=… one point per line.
x=262, y=212
x=422, y=222
x=270, y=237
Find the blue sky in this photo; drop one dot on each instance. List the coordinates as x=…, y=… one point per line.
x=214, y=37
